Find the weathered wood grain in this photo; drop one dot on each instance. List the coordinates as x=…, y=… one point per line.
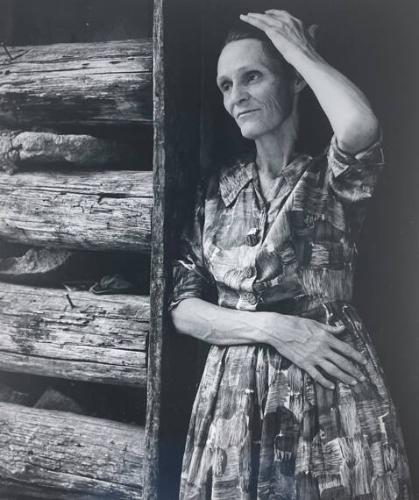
x=74, y=335
x=78, y=83
x=69, y=456
x=153, y=435
x=34, y=149
x=79, y=210
x=176, y=98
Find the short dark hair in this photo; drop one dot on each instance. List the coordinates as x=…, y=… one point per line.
x=243, y=31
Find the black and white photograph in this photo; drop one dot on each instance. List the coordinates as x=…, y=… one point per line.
x=209, y=233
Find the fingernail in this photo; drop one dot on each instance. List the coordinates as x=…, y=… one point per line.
x=363, y=378
x=331, y=387
x=353, y=382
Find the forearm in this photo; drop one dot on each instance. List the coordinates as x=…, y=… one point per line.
x=348, y=110
x=223, y=326
x=346, y=107
x=220, y=325
x=305, y=342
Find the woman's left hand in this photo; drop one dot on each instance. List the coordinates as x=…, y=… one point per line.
x=286, y=32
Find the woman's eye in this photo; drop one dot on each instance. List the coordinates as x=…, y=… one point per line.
x=254, y=75
x=225, y=86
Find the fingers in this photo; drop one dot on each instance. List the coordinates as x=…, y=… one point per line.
x=277, y=12
x=339, y=374
x=345, y=365
x=283, y=14
x=318, y=377
x=335, y=329
x=336, y=344
x=261, y=21
x=345, y=373
x=341, y=346
x=347, y=350
x=284, y=17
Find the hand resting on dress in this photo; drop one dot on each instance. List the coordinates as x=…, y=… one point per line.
x=310, y=345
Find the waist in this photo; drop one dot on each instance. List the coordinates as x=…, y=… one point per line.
x=319, y=308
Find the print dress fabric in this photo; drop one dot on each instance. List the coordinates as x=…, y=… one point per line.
x=260, y=426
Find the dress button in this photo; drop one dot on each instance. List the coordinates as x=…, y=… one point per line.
x=252, y=237
x=250, y=298
x=248, y=272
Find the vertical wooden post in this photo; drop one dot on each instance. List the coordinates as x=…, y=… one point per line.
x=157, y=279
x=176, y=95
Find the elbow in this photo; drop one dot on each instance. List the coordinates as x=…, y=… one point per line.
x=183, y=316
x=191, y=317
x=177, y=318
x=359, y=132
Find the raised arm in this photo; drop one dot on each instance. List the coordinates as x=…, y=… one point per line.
x=305, y=342
x=348, y=110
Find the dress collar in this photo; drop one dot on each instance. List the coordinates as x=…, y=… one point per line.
x=236, y=177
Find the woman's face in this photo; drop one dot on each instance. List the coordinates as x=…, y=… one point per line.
x=254, y=91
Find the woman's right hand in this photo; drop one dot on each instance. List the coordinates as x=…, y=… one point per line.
x=313, y=346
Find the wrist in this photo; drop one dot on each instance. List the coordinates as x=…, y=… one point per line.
x=300, y=55
x=270, y=329
x=280, y=331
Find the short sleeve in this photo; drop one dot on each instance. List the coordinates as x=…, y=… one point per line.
x=190, y=276
x=354, y=177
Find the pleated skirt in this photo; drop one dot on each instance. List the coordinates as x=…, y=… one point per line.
x=261, y=428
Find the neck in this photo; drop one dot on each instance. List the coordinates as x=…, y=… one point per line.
x=274, y=150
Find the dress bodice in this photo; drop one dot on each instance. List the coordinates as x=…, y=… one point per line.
x=300, y=246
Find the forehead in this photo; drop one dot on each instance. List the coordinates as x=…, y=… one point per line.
x=238, y=54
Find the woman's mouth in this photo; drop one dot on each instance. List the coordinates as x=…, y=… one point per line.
x=243, y=114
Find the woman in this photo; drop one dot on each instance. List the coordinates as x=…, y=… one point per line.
x=292, y=402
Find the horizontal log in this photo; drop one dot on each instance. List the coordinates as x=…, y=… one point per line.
x=64, y=456
x=74, y=335
x=77, y=83
x=77, y=210
x=28, y=149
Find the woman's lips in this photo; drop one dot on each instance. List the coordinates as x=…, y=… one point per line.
x=243, y=114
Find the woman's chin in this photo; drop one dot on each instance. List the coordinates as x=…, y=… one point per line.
x=249, y=132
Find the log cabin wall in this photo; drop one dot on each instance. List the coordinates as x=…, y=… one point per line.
x=95, y=179
x=76, y=161
x=373, y=43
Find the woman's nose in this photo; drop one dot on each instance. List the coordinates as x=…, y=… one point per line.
x=238, y=94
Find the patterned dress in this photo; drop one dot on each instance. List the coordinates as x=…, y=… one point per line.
x=260, y=426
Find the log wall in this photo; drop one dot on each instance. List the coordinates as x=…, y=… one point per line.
x=46, y=149
x=74, y=335
x=45, y=91
x=77, y=83
x=59, y=455
x=80, y=210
